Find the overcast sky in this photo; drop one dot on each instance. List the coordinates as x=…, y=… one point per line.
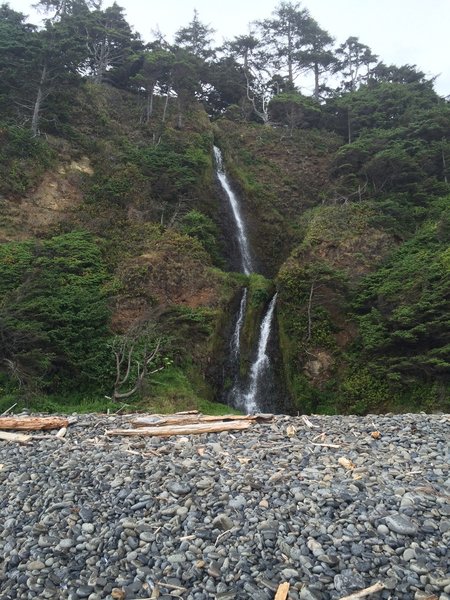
x=398, y=31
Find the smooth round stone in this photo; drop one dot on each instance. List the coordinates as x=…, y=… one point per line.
x=401, y=524
x=176, y=558
x=178, y=488
x=289, y=573
x=35, y=565
x=84, y=591
x=87, y=528
x=409, y=554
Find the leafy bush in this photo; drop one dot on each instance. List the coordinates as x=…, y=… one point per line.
x=197, y=225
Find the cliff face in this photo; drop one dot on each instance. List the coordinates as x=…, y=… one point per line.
x=145, y=196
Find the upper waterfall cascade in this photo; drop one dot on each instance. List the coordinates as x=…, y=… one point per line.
x=244, y=248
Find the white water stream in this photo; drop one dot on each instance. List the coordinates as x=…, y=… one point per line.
x=236, y=339
x=261, y=362
x=247, y=266
x=248, y=400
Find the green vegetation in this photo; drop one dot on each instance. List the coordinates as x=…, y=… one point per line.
x=114, y=232
x=54, y=315
x=23, y=159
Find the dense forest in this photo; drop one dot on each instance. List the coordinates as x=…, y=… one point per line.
x=118, y=279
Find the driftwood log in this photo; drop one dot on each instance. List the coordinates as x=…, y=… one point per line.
x=33, y=423
x=7, y=436
x=195, y=417
x=194, y=428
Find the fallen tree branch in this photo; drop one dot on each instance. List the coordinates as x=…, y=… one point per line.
x=194, y=428
x=373, y=589
x=33, y=423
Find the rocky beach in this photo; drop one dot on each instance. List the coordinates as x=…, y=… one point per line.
x=329, y=504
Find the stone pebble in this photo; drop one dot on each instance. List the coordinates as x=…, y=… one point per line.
x=230, y=515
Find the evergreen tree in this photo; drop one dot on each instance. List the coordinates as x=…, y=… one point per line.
x=285, y=36
x=353, y=56
x=110, y=41
x=196, y=38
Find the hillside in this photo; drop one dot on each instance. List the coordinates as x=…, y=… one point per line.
x=117, y=246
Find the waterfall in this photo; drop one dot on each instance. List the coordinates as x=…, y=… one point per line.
x=236, y=339
x=261, y=362
x=247, y=401
x=246, y=259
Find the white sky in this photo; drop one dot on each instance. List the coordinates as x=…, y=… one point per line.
x=399, y=31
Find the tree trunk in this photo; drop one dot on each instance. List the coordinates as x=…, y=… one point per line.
x=149, y=108
x=166, y=103
x=290, y=60
x=316, y=81
x=101, y=62
x=38, y=102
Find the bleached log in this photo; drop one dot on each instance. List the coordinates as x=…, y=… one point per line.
x=373, y=589
x=33, y=423
x=14, y=437
x=194, y=428
x=189, y=418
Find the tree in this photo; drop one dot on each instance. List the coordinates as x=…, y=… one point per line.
x=318, y=56
x=155, y=74
x=18, y=41
x=196, y=38
x=285, y=36
x=109, y=41
x=137, y=355
x=38, y=63
x=353, y=56
x=247, y=51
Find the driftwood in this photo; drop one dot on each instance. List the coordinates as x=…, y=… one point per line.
x=193, y=428
x=33, y=423
x=282, y=592
x=194, y=417
x=373, y=589
x=14, y=437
